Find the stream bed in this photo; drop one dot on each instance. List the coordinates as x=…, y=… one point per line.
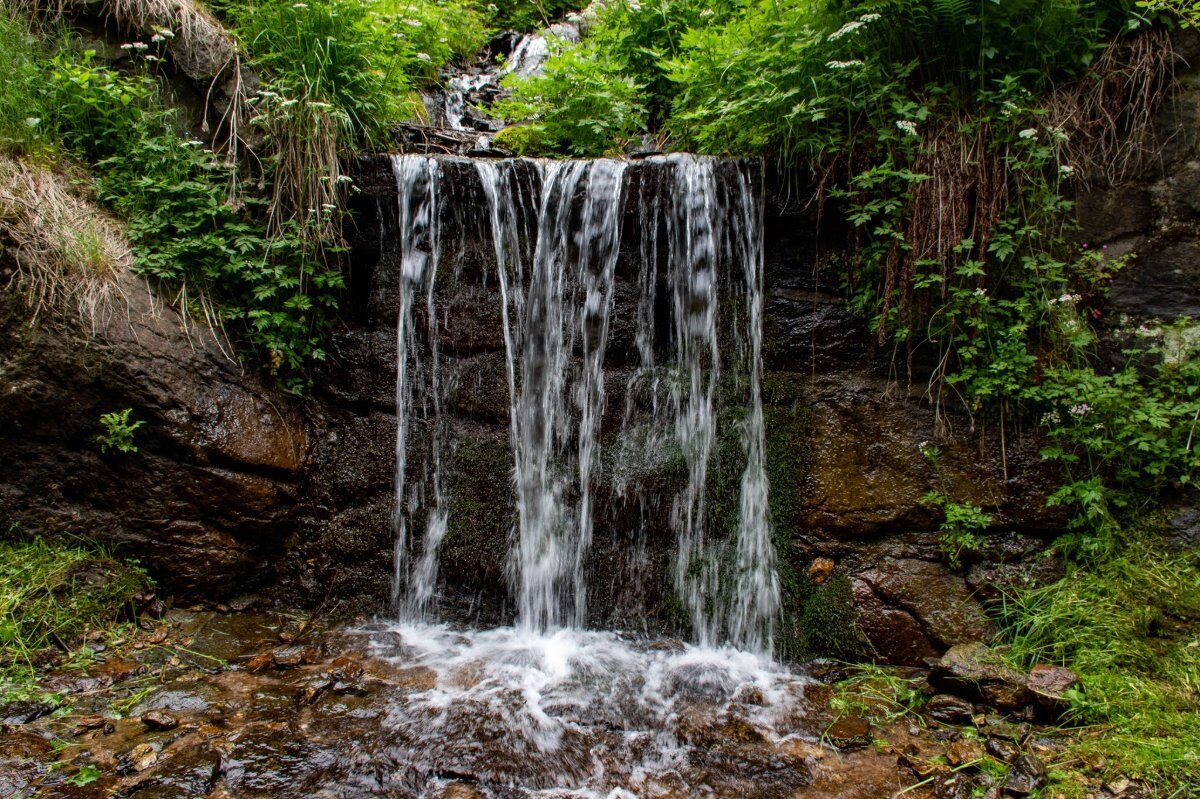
x=266, y=705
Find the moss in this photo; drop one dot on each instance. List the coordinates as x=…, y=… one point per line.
x=523, y=140
x=481, y=513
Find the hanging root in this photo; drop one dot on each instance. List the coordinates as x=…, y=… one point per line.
x=67, y=253
x=1110, y=113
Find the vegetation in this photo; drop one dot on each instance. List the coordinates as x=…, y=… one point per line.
x=118, y=431
x=248, y=239
x=55, y=597
x=1126, y=620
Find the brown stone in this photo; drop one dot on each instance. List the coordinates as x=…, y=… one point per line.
x=936, y=597
x=159, y=720
x=977, y=670
x=949, y=709
x=1050, y=685
x=820, y=570
x=963, y=751
x=849, y=732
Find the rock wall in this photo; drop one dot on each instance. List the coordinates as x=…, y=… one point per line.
x=208, y=500
x=844, y=437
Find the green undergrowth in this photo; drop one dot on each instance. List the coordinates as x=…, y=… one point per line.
x=54, y=597
x=880, y=694
x=1127, y=620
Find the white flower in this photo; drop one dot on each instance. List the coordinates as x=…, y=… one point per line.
x=156, y=38
x=32, y=122
x=424, y=56
x=869, y=17
x=907, y=126
x=412, y=23
x=848, y=28
x=1066, y=170
x=166, y=33
x=1080, y=410
x=708, y=12
x=127, y=47
x=1028, y=133
x=151, y=58
x=345, y=179
x=1072, y=298
x=980, y=292
x=634, y=5
x=140, y=46
x=299, y=5
x=844, y=64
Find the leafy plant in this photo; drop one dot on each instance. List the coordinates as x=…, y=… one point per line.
x=961, y=527
x=85, y=776
x=118, y=432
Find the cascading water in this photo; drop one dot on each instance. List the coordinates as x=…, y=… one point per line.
x=418, y=386
x=557, y=295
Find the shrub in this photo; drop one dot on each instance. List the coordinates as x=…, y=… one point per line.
x=579, y=105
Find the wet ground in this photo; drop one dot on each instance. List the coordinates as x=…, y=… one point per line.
x=206, y=704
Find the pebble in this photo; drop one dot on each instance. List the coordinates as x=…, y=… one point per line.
x=159, y=720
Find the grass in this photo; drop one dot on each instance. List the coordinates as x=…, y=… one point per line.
x=53, y=594
x=877, y=693
x=1128, y=622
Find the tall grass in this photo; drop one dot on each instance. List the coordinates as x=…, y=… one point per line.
x=1128, y=621
x=52, y=594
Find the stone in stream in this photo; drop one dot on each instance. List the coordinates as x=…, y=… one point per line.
x=851, y=732
x=159, y=720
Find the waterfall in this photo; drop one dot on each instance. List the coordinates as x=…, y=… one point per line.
x=695, y=381
x=418, y=385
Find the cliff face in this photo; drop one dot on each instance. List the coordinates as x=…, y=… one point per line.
x=237, y=487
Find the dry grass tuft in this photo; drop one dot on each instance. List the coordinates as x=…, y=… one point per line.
x=67, y=254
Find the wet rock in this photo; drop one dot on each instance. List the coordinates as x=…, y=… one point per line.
x=117, y=670
x=159, y=720
x=937, y=598
x=1050, y=686
x=949, y=709
x=851, y=732
x=1002, y=750
x=977, y=670
x=894, y=634
x=210, y=494
x=143, y=756
x=24, y=711
x=820, y=570
x=93, y=722
x=963, y=751
x=1025, y=776
x=996, y=727
x=289, y=657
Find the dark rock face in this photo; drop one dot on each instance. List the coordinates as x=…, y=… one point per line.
x=208, y=500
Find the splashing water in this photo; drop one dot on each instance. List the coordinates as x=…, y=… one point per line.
x=556, y=253
x=591, y=714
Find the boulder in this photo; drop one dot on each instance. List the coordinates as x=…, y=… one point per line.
x=1050, y=686
x=978, y=671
